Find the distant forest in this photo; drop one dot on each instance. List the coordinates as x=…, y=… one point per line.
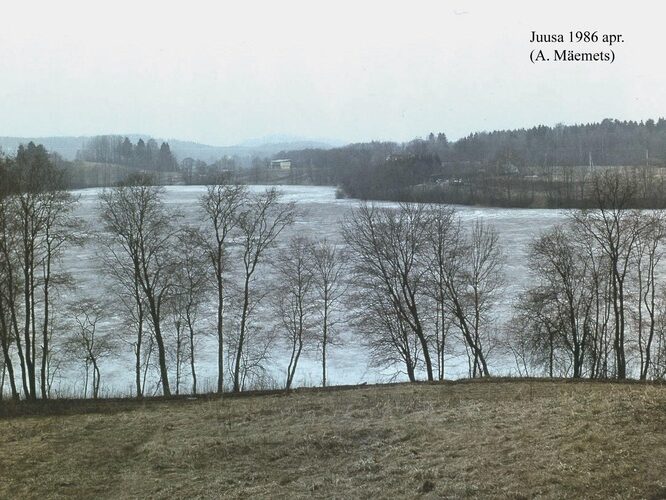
x=549, y=167
x=537, y=167
x=120, y=151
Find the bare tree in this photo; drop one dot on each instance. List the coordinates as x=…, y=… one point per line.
x=129, y=295
x=329, y=266
x=473, y=278
x=221, y=204
x=143, y=232
x=294, y=300
x=260, y=222
x=258, y=341
x=559, y=263
x=388, y=337
x=443, y=230
x=647, y=256
x=177, y=350
x=3, y=370
x=515, y=342
x=616, y=229
x=190, y=285
x=535, y=332
x=60, y=230
x=600, y=279
x=387, y=247
x=87, y=343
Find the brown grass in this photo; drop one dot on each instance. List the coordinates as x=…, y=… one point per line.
x=505, y=439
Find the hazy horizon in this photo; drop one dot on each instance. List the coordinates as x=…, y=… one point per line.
x=226, y=74
x=273, y=139
x=249, y=142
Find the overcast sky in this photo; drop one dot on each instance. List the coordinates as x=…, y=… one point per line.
x=221, y=73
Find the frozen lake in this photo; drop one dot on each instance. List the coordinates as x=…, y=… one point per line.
x=320, y=216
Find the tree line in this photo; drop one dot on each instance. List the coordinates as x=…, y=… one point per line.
x=113, y=149
x=413, y=282
x=543, y=166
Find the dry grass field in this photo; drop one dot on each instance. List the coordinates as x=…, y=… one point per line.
x=497, y=439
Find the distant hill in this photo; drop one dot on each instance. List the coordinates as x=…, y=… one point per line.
x=264, y=147
x=207, y=153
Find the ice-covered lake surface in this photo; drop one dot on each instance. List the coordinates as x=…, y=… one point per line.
x=320, y=215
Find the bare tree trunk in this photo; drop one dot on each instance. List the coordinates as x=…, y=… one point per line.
x=296, y=350
x=45, y=326
x=29, y=359
x=410, y=371
x=12, y=324
x=5, y=344
x=192, y=364
x=139, y=342
x=85, y=383
x=33, y=327
x=179, y=345
x=241, y=334
x=324, y=343
x=220, y=330
x=651, y=312
x=618, y=340
x=161, y=350
x=146, y=364
x=96, y=379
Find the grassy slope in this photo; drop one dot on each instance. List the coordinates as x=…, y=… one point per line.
x=495, y=439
